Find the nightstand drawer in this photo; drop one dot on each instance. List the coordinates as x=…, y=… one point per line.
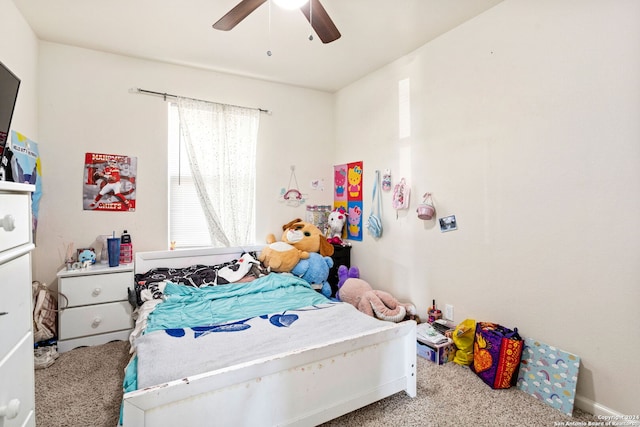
x=17, y=206
x=96, y=288
x=15, y=302
x=94, y=319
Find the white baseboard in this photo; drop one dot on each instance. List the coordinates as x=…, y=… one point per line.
x=596, y=408
x=66, y=345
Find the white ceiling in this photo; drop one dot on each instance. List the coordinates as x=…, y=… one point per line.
x=374, y=33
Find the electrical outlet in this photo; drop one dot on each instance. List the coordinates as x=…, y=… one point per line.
x=448, y=312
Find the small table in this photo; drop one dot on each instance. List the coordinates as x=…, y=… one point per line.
x=97, y=310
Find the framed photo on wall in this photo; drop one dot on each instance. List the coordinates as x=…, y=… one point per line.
x=448, y=223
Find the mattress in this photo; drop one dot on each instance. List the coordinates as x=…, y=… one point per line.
x=198, y=330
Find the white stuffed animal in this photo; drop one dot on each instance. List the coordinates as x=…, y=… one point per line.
x=337, y=219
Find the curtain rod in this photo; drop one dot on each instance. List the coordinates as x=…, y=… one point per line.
x=168, y=95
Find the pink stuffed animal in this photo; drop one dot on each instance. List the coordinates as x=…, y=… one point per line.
x=359, y=293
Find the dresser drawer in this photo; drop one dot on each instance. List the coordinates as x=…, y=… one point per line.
x=17, y=376
x=96, y=288
x=15, y=301
x=16, y=205
x=94, y=319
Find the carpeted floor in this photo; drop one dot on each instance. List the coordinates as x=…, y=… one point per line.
x=84, y=388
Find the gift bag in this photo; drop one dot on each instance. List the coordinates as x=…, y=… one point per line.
x=496, y=354
x=45, y=311
x=463, y=337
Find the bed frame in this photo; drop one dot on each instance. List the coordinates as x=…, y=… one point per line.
x=304, y=387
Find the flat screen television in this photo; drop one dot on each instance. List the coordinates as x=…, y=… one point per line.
x=9, y=85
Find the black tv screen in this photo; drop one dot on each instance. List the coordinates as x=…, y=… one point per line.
x=9, y=85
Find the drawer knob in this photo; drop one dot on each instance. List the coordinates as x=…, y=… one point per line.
x=96, y=292
x=96, y=322
x=10, y=410
x=8, y=223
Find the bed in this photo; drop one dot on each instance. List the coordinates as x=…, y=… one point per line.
x=230, y=371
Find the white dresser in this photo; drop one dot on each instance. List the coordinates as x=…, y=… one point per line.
x=17, y=396
x=98, y=309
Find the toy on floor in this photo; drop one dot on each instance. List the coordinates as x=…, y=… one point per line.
x=315, y=270
x=362, y=296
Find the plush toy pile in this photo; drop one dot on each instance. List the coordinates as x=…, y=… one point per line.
x=305, y=252
x=299, y=239
x=362, y=296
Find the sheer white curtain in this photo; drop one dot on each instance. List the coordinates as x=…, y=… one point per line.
x=220, y=141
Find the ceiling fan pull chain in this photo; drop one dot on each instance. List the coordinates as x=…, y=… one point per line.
x=269, y=46
x=311, y=19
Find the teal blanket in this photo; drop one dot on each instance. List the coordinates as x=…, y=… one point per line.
x=188, y=307
x=185, y=306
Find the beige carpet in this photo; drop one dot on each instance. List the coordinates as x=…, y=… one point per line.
x=84, y=388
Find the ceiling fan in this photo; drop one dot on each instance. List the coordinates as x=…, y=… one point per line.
x=312, y=9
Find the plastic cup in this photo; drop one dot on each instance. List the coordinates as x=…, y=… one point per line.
x=113, y=245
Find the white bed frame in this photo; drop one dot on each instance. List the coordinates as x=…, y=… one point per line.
x=302, y=388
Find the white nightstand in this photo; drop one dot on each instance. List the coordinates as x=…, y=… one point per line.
x=98, y=310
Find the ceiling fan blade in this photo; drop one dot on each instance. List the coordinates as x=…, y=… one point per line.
x=320, y=21
x=237, y=14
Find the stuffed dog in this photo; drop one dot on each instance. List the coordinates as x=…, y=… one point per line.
x=306, y=237
x=281, y=257
x=299, y=239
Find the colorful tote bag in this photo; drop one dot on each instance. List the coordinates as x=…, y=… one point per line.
x=496, y=354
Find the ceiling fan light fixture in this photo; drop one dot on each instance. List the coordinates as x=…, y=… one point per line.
x=312, y=10
x=290, y=4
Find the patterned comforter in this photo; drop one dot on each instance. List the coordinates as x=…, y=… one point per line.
x=195, y=330
x=243, y=269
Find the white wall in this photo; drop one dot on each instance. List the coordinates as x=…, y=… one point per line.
x=525, y=126
x=86, y=106
x=19, y=52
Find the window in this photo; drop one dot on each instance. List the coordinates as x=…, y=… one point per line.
x=186, y=219
x=211, y=194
